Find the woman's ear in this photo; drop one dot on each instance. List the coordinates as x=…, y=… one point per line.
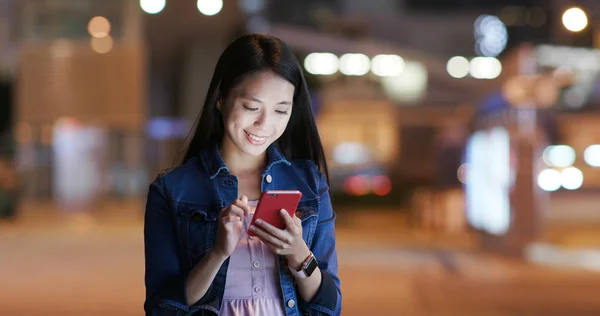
x=220, y=101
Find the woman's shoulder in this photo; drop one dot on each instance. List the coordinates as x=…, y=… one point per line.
x=192, y=167
x=305, y=165
x=307, y=168
x=181, y=177
x=307, y=174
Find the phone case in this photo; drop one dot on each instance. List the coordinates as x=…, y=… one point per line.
x=270, y=204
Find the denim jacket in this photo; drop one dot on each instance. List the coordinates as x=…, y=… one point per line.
x=180, y=227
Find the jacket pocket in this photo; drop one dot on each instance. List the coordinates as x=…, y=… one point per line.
x=198, y=227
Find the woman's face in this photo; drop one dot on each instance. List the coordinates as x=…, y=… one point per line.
x=257, y=112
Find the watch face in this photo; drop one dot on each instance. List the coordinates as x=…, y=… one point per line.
x=310, y=266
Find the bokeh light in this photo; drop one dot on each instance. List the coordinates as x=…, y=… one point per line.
x=209, y=7
x=99, y=27
x=571, y=178
x=387, y=65
x=321, y=63
x=549, y=180
x=354, y=64
x=574, y=19
x=458, y=67
x=591, y=155
x=152, y=6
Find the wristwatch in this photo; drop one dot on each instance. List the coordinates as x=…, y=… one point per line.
x=308, y=267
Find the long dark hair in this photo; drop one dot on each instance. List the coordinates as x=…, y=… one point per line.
x=250, y=54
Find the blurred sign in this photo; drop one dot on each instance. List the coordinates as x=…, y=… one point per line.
x=578, y=58
x=68, y=79
x=77, y=162
x=490, y=173
x=583, y=66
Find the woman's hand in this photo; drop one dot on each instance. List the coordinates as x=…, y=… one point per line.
x=286, y=242
x=231, y=226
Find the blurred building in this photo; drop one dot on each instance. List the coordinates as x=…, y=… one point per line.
x=396, y=85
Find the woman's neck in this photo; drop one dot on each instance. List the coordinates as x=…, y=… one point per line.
x=240, y=163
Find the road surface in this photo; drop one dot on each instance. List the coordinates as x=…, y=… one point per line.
x=57, y=264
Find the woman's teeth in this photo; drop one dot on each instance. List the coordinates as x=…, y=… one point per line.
x=256, y=139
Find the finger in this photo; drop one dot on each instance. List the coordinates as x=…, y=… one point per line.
x=266, y=236
x=289, y=222
x=242, y=205
x=297, y=221
x=272, y=230
x=277, y=249
x=237, y=211
x=231, y=218
x=233, y=210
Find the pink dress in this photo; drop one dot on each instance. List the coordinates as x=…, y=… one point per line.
x=252, y=287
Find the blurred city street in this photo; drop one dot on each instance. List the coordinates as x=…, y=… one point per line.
x=55, y=264
x=461, y=140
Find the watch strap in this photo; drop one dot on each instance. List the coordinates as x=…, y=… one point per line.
x=303, y=270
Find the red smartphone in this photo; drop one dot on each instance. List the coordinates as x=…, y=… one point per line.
x=270, y=204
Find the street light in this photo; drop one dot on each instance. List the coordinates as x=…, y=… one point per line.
x=574, y=19
x=209, y=7
x=152, y=6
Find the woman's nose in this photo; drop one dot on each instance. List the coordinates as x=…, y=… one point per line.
x=261, y=120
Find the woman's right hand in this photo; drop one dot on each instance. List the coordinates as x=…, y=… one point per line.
x=231, y=226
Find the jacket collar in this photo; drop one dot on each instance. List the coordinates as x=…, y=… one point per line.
x=214, y=164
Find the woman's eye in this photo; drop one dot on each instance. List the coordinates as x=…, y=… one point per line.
x=282, y=112
x=250, y=109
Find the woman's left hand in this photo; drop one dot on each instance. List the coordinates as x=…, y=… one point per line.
x=286, y=242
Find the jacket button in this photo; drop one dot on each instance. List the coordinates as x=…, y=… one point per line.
x=291, y=303
x=299, y=214
x=269, y=178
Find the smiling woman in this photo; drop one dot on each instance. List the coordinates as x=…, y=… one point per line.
x=257, y=112
x=272, y=62
x=256, y=133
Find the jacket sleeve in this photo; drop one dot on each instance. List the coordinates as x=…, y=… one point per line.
x=165, y=284
x=328, y=300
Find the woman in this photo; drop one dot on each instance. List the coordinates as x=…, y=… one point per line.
x=256, y=133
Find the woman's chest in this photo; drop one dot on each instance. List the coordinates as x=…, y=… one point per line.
x=249, y=186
